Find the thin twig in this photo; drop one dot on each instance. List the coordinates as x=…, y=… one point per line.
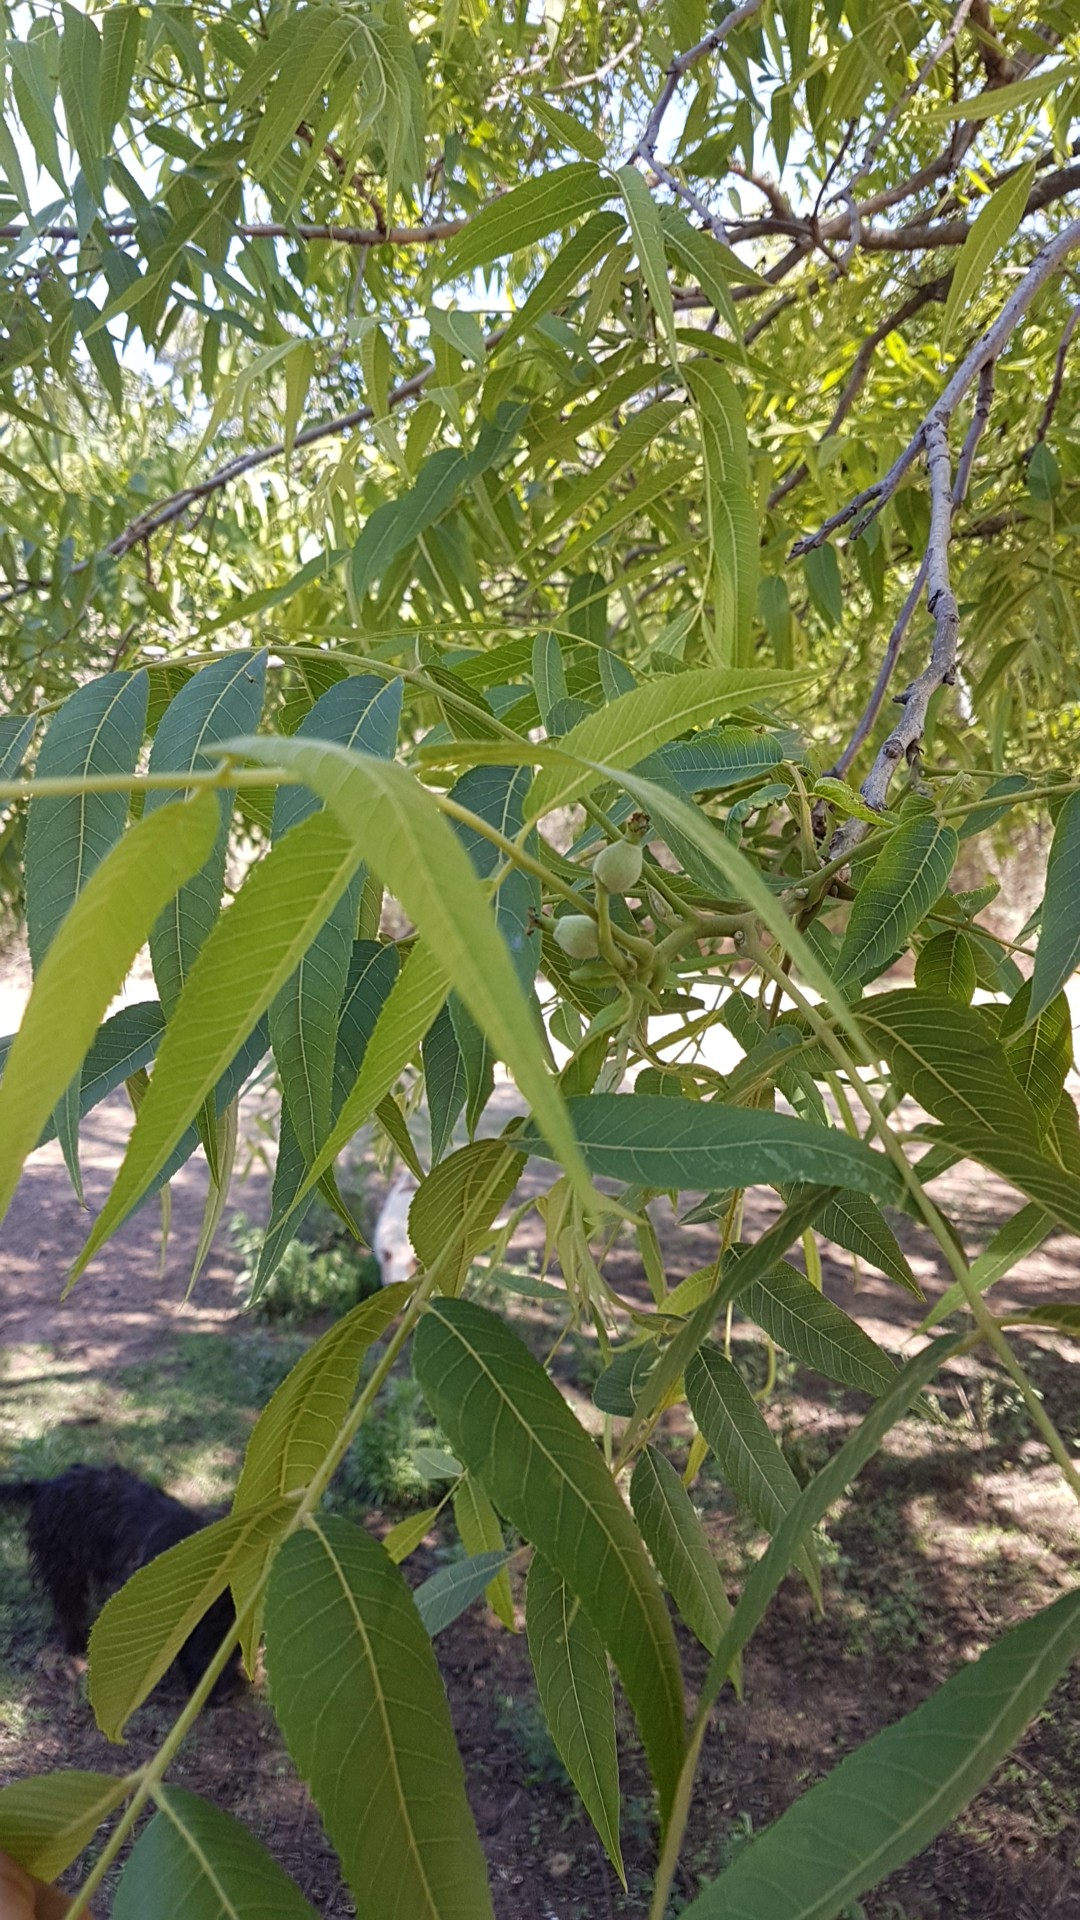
x=885, y=672
x=646, y=146
x=984, y=400
x=1058, y=381
x=700, y=207
x=920, y=297
x=881, y=132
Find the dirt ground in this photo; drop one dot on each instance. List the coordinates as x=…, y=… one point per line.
x=955, y=1532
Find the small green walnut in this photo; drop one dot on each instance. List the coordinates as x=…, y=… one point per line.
x=576, y=935
x=618, y=866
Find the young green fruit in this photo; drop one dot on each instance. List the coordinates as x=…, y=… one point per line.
x=576, y=935
x=618, y=867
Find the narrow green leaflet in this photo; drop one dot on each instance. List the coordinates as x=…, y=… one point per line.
x=990, y=231
x=548, y=675
x=454, y=1206
x=139, y=1632
x=362, y=712
x=442, y=1599
x=194, y=1862
x=444, y=1081
x=248, y=956
x=224, y=698
x=80, y=83
x=639, y=432
x=526, y=214
x=300, y=1423
x=1019, y=1236
x=853, y=1221
x=86, y=965
x=98, y=730
x=907, y=877
x=948, y=1058
x=16, y=731
x=1059, y=939
x=125, y=1042
x=497, y=796
x=1058, y=1316
x=396, y=524
x=318, y=42
x=997, y=100
x=404, y=1018
x=360, y=1702
x=373, y=970
x=409, y=1534
x=47, y=1820
x=746, y=1453
x=946, y=966
x=566, y=127
x=511, y=1426
x=576, y=1695
x=656, y=1143
x=574, y=261
x=889, y=1799
x=1039, y=1051
x=712, y=264
x=733, y=529
x=649, y=246
x=1020, y=1163
x=676, y=1539
x=480, y=1531
x=626, y=730
x=809, y=1327
x=121, y=32
x=795, y=1530
x=418, y=856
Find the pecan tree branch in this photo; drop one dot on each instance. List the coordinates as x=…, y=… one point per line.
x=903, y=741
x=646, y=146
x=870, y=501
x=979, y=418
x=269, y=230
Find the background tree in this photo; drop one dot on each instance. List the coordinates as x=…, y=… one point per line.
x=423, y=421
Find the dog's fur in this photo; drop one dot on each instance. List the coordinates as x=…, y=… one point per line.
x=88, y=1531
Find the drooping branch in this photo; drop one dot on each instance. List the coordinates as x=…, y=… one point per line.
x=885, y=672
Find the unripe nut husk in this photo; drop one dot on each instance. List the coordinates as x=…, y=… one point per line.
x=618, y=867
x=576, y=935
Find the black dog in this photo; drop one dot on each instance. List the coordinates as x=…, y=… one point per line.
x=88, y=1531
